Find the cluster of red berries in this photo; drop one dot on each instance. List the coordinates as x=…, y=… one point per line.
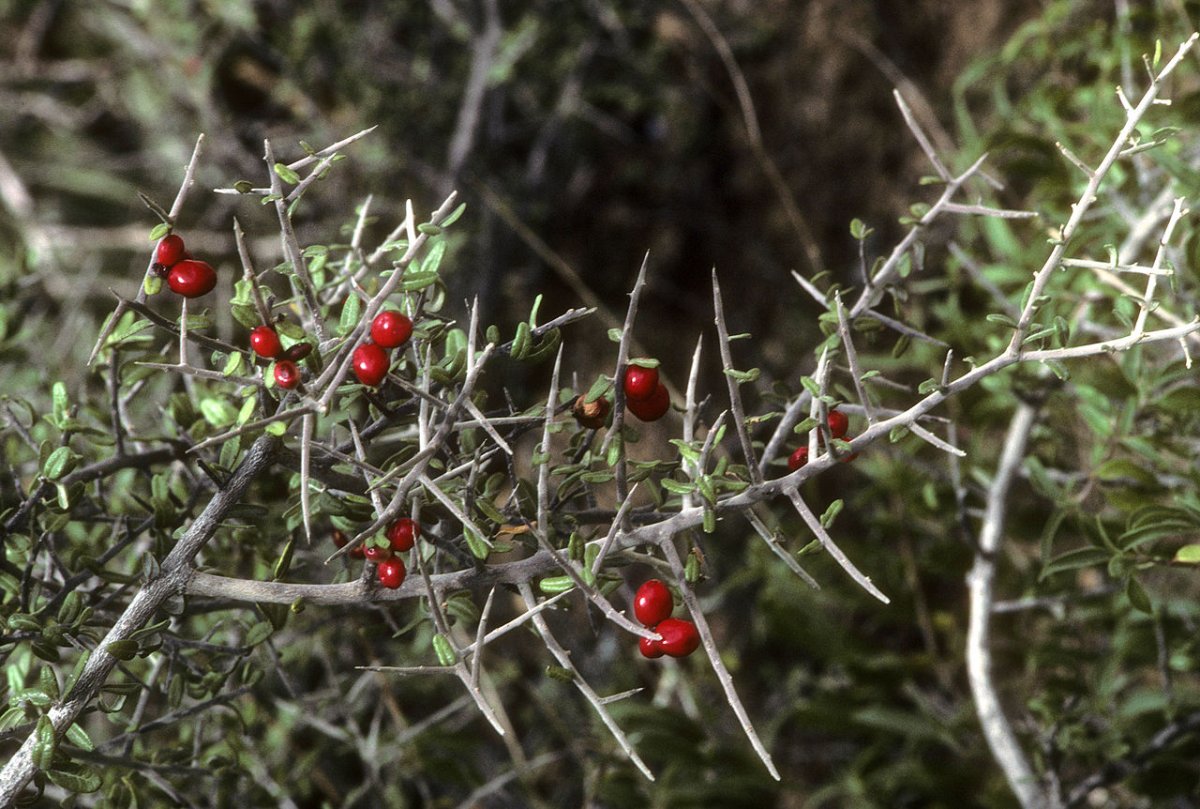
x=389, y=567
x=652, y=605
x=265, y=342
x=389, y=329
x=185, y=275
x=838, y=423
x=645, y=396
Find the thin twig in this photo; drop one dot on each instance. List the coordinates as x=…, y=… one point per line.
x=996, y=728
x=564, y=659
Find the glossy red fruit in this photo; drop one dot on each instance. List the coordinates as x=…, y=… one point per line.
x=403, y=534
x=798, y=459
x=191, y=278
x=391, y=328
x=391, y=572
x=287, y=375
x=838, y=422
x=653, y=602
x=170, y=251
x=374, y=553
x=265, y=342
x=340, y=539
x=640, y=383
x=679, y=637
x=653, y=407
x=650, y=648
x=370, y=363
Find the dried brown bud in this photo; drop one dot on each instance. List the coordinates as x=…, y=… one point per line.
x=590, y=414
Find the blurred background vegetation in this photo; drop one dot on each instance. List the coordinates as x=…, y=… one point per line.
x=583, y=135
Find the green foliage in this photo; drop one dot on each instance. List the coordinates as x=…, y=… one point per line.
x=1095, y=650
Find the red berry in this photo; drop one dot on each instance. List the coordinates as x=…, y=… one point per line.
x=375, y=553
x=653, y=407
x=403, y=534
x=265, y=342
x=191, y=278
x=640, y=383
x=838, y=422
x=650, y=648
x=370, y=364
x=679, y=637
x=391, y=572
x=653, y=602
x=391, y=329
x=287, y=375
x=798, y=459
x=340, y=539
x=170, y=251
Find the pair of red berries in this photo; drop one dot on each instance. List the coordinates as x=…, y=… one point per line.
x=652, y=605
x=389, y=329
x=838, y=423
x=265, y=342
x=645, y=396
x=389, y=567
x=186, y=276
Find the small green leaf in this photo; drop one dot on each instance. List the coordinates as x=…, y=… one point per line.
x=429, y=229
x=598, y=389
x=1002, y=319
x=563, y=675
x=454, y=215
x=351, y=311
x=475, y=543
x=1138, y=597
x=35, y=697
x=244, y=314
x=233, y=364
x=1187, y=555
x=444, y=651
x=258, y=633
x=285, y=558
x=60, y=462
x=831, y=513
x=61, y=405
x=75, y=778
x=614, y=335
x=276, y=428
x=286, y=174
x=78, y=737
x=675, y=487
x=1076, y=559
x=553, y=585
x=742, y=377
x=217, y=412
x=859, y=229
x=152, y=285
x=417, y=280
x=122, y=649
x=804, y=426
x=44, y=743
x=159, y=230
